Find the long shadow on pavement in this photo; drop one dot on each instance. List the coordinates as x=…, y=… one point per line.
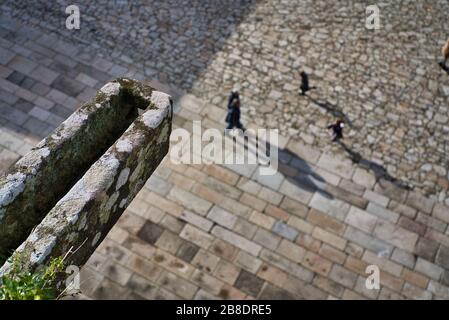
x=379, y=171
x=300, y=173
x=334, y=110
x=296, y=170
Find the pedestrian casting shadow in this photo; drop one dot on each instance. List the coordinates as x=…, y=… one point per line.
x=334, y=110
x=380, y=173
x=295, y=170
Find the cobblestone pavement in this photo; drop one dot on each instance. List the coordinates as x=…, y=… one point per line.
x=386, y=83
x=208, y=231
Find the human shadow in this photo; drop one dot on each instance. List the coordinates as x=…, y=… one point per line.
x=380, y=173
x=295, y=169
x=334, y=110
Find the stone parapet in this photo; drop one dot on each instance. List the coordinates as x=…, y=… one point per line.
x=71, y=189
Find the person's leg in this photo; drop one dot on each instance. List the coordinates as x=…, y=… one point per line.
x=334, y=135
x=306, y=87
x=338, y=135
x=240, y=126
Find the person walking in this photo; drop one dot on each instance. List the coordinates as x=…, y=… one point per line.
x=337, y=130
x=234, y=94
x=445, y=54
x=304, y=83
x=233, y=116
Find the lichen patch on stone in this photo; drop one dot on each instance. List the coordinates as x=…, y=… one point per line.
x=105, y=210
x=124, y=146
x=79, y=191
x=137, y=172
x=122, y=178
x=96, y=238
x=42, y=249
x=14, y=186
x=34, y=158
x=123, y=203
x=73, y=123
x=111, y=88
x=160, y=99
x=82, y=223
x=163, y=136
x=102, y=173
x=153, y=118
x=33, y=237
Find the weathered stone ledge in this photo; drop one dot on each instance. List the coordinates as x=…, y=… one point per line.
x=68, y=197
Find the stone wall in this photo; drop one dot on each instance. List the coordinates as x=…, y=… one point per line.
x=71, y=189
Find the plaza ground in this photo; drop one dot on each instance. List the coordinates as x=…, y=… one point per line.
x=209, y=231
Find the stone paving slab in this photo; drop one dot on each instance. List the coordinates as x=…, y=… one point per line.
x=201, y=231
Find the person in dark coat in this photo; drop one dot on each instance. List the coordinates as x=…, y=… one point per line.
x=304, y=83
x=234, y=94
x=233, y=116
x=337, y=130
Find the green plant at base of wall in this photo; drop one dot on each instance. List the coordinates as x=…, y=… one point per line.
x=21, y=284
